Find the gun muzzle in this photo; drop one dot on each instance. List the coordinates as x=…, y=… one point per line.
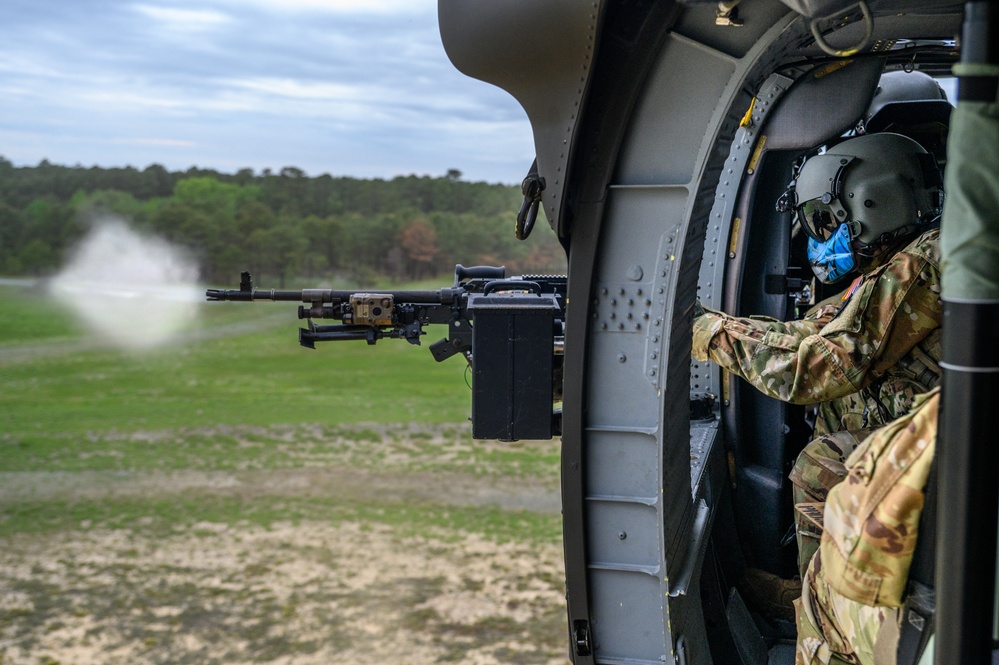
x=217, y=295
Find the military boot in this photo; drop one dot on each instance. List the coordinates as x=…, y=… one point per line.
x=770, y=595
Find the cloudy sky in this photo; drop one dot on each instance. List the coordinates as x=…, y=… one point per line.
x=346, y=87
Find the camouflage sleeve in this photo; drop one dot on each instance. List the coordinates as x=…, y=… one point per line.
x=806, y=362
x=706, y=326
x=824, y=311
x=872, y=517
x=711, y=324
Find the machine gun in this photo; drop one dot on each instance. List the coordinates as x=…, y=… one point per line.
x=510, y=331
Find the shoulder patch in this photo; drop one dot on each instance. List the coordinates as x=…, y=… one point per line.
x=853, y=287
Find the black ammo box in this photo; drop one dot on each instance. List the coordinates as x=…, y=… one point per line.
x=513, y=342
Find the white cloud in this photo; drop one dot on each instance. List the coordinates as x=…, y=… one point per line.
x=171, y=143
x=15, y=63
x=112, y=99
x=183, y=19
x=285, y=87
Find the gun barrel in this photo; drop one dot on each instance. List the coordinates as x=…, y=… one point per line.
x=249, y=295
x=442, y=296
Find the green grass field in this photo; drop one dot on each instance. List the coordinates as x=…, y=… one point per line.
x=236, y=427
x=246, y=376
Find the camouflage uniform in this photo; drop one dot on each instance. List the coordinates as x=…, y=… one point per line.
x=848, y=611
x=863, y=365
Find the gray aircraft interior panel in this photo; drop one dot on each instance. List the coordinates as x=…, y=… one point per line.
x=630, y=303
x=642, y=218
x=625, y=535
x=889, y=23
x=620, y=596
x=698, y=23
x=723, y=230
x=915, y=25
x=664, y=149
x=702, y=437
x=702, y=377
x=823, y=104
x=619, y=466
x=636, y=404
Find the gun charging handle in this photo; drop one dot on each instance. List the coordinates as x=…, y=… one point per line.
x=478, y=272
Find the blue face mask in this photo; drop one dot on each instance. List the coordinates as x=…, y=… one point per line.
x=833, y=259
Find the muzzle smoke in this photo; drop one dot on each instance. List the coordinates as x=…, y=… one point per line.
x=131, y=290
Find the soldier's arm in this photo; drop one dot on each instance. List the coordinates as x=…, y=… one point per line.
x=805, y=362
x=709, y=322
x=735, y=343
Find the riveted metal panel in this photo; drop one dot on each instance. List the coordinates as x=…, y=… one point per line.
x=624, y=535
x=620, y=465
x=622, y=599
x=724, y=230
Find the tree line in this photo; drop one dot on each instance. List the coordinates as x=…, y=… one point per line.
x=283, y=226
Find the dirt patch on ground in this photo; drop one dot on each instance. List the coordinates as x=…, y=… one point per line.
x=353, y=484
x=345, y=589
x=309, y=593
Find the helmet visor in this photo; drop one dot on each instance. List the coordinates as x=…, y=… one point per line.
x=819, y=209
x=818, y=219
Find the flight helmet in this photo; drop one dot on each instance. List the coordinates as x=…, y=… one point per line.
x=860, y=196
x=913, y=104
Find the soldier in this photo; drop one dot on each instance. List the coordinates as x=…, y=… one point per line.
x=869, y=205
